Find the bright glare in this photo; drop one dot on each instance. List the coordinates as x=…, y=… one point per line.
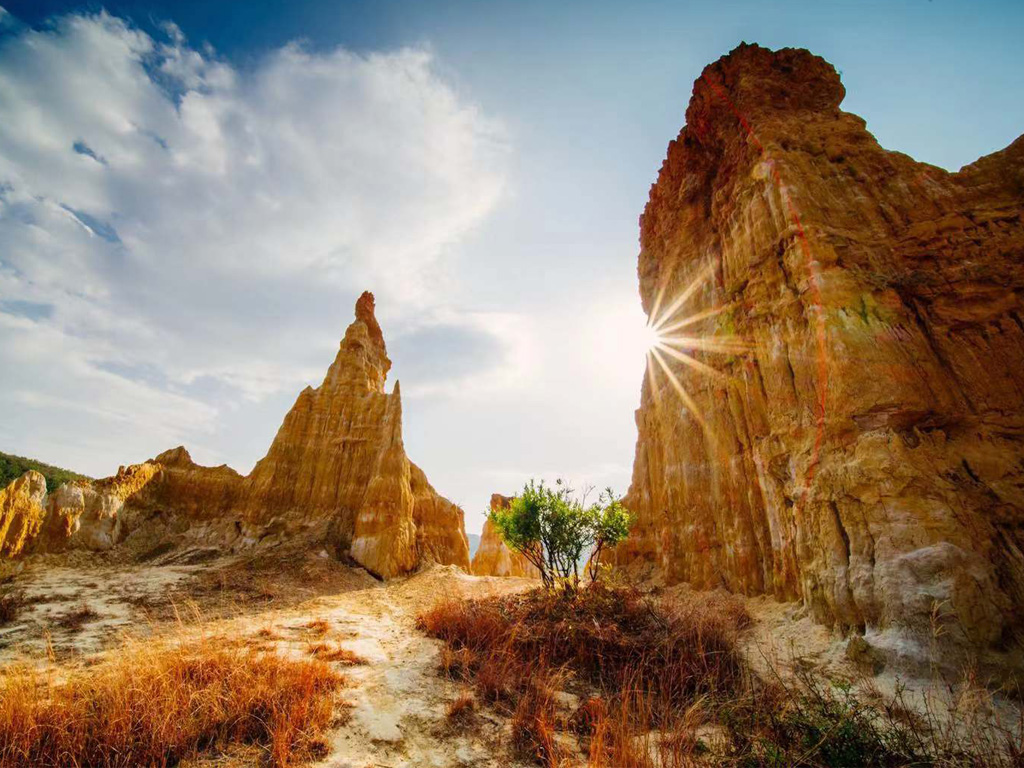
x=649, y=337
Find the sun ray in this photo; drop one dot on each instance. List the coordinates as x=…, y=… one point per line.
x=730, y=346
x=679, y=388
x=692, y=362
x=652, y=382
x=695, y=318
x=657, y=299
x=699, y=278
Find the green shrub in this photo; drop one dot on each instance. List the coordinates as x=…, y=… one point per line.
x=553, y=529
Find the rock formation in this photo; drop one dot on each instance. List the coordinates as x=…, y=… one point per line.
x=21, y=512
x=79, y=513
x=493, y=557
x=336, y=473
x=862, y=449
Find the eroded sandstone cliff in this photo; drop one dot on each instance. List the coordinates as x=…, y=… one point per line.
x=493, y=557
x=863, y=448
x=21, y=512
x=336, y=473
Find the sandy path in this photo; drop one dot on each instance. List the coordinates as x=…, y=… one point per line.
x=398, y=717
x=399, y=702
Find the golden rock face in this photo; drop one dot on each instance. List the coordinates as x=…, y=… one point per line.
x=863, y=450
x=21, y=512
x=493, y=557
x=336, y=472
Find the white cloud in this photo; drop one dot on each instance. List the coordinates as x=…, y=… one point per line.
x=167, y=220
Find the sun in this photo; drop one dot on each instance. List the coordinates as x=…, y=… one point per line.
x=676, y=337
x=649, y=337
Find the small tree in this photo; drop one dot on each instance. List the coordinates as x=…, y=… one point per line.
x=553, y=529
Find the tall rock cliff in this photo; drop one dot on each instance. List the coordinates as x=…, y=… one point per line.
x=21, y=512
x=836, y=413
x=336, y=473
x=493, y=557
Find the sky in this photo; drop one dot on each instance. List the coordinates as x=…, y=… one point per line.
x=193, y=194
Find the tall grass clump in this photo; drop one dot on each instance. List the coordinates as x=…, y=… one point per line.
x=156, y=704
x=11, y=602
x=613, y=648
x=625, y=681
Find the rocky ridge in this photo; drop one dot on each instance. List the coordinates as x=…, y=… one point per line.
x=335, y=474
x=861, y=448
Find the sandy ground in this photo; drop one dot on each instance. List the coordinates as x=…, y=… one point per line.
x=398, y=701
x=75, y=610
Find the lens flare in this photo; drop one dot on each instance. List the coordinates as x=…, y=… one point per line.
x=663, y=342
x=649, y=337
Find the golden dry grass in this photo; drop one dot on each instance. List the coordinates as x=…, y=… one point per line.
x=318, y=627
x=661, y=686
x=462, y=707
x=642, y=665
x=336, y=654
x=155, y=704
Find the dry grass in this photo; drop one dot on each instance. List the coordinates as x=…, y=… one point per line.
x=462, y=708
x=662, y=687
x=635, y=664
x=152, y=704
x=318, y=627
x=267, y=633
x=335, y=653
x=11, y=602
x=77, y=617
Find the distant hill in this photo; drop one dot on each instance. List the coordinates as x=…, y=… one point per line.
x=12, y=467
x=474, y=542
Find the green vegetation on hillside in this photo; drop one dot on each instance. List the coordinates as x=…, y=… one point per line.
x=12, y=467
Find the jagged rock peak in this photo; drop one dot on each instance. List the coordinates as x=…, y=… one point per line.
x=365, y=313
x=175, y=457
x=362, y=363
x=751, y=78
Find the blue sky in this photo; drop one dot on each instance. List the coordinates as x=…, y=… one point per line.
x=192, y=195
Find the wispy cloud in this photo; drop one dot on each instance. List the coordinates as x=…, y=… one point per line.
x=177, y=215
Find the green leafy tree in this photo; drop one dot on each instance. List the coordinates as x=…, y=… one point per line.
x=12, y=467
x=553, y=529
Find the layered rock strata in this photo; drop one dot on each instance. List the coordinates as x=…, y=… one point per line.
x=336, y=473
x=861, y=446
x=493, y=557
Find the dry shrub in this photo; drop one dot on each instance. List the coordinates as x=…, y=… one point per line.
x=268, y=633
x=11, y=602
x=318, y=627
x=462, y=708
x=648, y=663
x=157, y=704
x=336, y=653
x=457, y=663
x=608, y=637
x=535, y=721
x=77, y=617
x=666, y=687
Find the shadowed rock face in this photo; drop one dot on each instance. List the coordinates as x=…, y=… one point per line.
x=493, y=557
x=866, y=453
x=336, y=473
